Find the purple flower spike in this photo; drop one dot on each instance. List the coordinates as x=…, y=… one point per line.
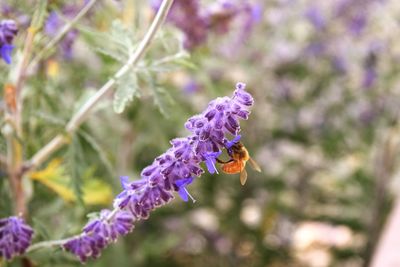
x=99, y=233
x=210, y=159
x=15, y=237
x=183, y=192
x=170, y=172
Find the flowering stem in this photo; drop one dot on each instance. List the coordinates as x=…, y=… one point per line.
x=47, y=244
x=85, y=110
x=55, y=243
x=67, y=27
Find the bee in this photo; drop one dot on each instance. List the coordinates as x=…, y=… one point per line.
x=237, y=163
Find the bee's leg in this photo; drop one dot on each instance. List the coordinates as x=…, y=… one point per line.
x=223, y=162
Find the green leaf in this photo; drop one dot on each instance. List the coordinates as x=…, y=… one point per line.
x=75, y=159
x=54, y=176
x=99, y=150
x=163, y=100
x=121, y=35
x=39, y=15
x=112, y=54
x=50, y=118
x=117, y=43
x=40, y=228
x=84, y=97
x=126, y=91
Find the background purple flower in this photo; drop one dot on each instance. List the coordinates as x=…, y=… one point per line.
x=54, y=23
x=197, y=21
x=8, y=30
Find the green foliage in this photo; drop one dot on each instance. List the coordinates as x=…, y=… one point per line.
x=76, y=166
x=40, y=14
x=127, y=90
x=315, y=130
x=117, y=43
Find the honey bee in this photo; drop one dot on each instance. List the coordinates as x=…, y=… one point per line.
x=237, y=163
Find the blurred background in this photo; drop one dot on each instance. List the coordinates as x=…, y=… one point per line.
x=324, y=127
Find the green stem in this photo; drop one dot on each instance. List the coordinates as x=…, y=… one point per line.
x=67, y=27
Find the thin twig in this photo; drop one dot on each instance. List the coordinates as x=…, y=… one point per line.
x=67, y=27
x=47, y=244
x=85, y=110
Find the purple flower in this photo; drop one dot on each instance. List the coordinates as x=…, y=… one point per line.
x=357, y=23
x=196, y=21
x=369, y=78
x=229, y=144
x=170, y=172
x=191, y=87
x=5, y=52
x=187, y=16
x=227, y=15
x=8, y=30
x=15, y=237
x=99, y=233
x=182, y=191
x=210, y=159
x=315, y=16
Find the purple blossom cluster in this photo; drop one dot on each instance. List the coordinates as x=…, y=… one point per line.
x=8, y=30
x=99, y=233
x=196, y=22
x=171, y=172
x=15, y=237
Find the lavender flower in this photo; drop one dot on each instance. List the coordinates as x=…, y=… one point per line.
x=183, y=192
x=8, y=30
x=15, y=237
x=196, y=22
x=186, y=15
x=99, y=233
x=315, y=16
x=171, y=172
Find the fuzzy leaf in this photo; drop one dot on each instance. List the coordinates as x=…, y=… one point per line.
x=121, y=35
x=75, y=159
x=99, y=150
x=126, y=91
x=117, y=43
x=163, y=101
x=40, y=229
x=112, y=54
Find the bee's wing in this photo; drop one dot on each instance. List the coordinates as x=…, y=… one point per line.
x=254, y=165
x=243, y=176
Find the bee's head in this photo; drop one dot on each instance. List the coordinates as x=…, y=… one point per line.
x=237, y=146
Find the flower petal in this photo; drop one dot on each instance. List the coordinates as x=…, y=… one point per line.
x=124, y=181
x=229, y=144
x=183, y=194
x=6, y=51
